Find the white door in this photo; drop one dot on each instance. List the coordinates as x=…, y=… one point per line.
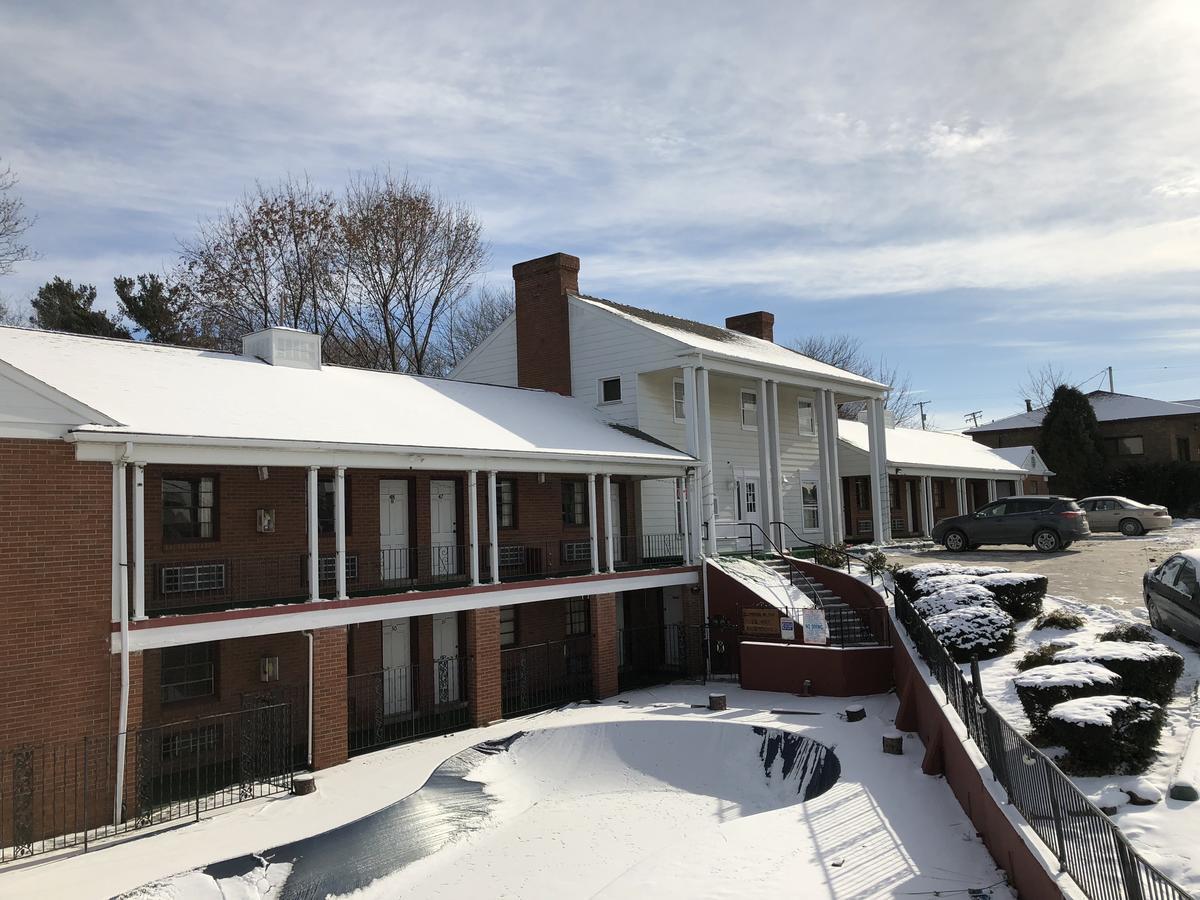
x=393, y=530
x=748, y=498
x=397, y=671
x=443, y=524
x=614, y=504
x=445, y=657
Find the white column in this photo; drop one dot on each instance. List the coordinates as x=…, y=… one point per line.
x=592, y=536
x=314, y=547
x=773, y=447
x=708, y=484
x=694, y=518
x=139, y=541
x=493, y=529
x=123, y=601
x=960, y=486
x=765, y=476
x=691, y=427
x=681, y=491
x=878, y=460
x=339, y=531
x=608, y=525
x=1020, y=485
x=991, y=483
x=926, y=505
x=473, y=522
x=836, y=510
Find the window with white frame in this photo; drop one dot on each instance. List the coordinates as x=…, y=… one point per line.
x=805, y=417
x=678, y=409
x=610, y=390
x=749, y=497
x=810, y=511
x=749, y=410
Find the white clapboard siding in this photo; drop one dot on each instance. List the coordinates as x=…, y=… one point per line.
x=495, y=360
x=798, y=454
x=25, y=413
x=655, y=410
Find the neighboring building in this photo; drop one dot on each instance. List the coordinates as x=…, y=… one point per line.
x=931, y=475
x=757, y=416
x=1132, y=429
x=191, y=533
x=1027, y=457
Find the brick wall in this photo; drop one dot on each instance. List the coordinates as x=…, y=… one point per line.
x=329, y=697
x=543, y=321
x=482, y=642
x=1159, y=437
x=604, y=645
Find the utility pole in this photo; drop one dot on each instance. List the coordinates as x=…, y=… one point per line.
x=923, y=404
x=974, y=417
x=1110, y=381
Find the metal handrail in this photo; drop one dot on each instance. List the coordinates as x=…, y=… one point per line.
x=844, y=552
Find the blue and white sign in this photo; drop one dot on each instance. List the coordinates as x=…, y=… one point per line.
x=816, y=630
x=787, y=629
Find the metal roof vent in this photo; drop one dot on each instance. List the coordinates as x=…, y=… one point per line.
x=281, y=346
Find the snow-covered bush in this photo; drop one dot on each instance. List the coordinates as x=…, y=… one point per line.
x=1060, y=619
x=832, y=557
x=982, y=570
x=1134, y=631
x=974, y=631
x=1044, y=687
x=953, y=598
x=1105, y=734
x=932, y=585
x=1018, y=593
x=1147, y=670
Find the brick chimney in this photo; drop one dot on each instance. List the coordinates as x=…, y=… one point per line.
x=544, y=322
x=756, y=324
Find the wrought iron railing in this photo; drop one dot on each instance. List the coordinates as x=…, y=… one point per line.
x=647, y=551
x=657, y=653
x=1088, y=845
x=59, y=795
x=401, y=703
x=540, y=676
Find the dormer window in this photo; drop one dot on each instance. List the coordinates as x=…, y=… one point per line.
x=610, y=390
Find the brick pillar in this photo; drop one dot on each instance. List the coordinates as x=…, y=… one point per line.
x=604, y=645
x=329, y=697
x=483, y=665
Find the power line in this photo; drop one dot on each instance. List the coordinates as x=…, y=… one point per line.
x=923, y=404
x=974, y=417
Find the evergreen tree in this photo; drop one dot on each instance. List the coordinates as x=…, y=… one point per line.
x=161, y=311
x=1070, y=443
x=61, y=306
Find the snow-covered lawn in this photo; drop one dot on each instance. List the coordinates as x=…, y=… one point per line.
x=674, y=809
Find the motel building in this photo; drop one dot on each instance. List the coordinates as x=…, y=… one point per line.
x=224, y=568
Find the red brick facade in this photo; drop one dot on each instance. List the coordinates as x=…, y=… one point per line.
x=329, y=697
x=544, y=321
x=483, y=677
x=603, y=609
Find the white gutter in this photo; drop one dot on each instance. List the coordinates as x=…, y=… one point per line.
x=309, y=635
x=811, y=380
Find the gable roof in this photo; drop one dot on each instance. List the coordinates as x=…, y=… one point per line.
x=713, y=340
x=1026, y=457
x=1108, y=408
x=153, y=389
x=912, y=447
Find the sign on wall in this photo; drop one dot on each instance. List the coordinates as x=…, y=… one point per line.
x=787, y=629
x=760, y=622
x=816, y=629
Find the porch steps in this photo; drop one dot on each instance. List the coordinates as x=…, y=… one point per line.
x=846, y=629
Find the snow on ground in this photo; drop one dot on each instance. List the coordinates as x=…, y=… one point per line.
x=768, y=584
x=603, y=822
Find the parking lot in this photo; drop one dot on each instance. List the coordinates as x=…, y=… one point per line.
x=1107, y=568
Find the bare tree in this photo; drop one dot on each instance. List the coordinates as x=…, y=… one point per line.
x=14, y=222
x=12, y=315
x=1040, y=384
x=846, y=352
x=410, y=257
x=470, y=323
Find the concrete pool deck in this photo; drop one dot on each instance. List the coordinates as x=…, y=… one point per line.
x=883, y=829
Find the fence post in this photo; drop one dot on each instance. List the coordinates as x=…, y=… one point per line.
x=976, y=679
x=196, y=777
x=85, y=794
x=1058, y=822
x=1128, y=864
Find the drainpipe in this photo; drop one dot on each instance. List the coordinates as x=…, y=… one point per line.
x=123, y=602
x=704, y=584
x=309, y=635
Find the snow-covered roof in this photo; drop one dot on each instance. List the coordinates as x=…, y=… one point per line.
x=1026, y=457
x=1108, y=408
x=912, y=447
x=713, y=340
x=152, y=389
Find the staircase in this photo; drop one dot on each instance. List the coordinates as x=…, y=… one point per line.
x=846, y=627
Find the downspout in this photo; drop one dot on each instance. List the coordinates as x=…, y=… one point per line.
x=707, y=621
x=309, y=759
x=123, y=601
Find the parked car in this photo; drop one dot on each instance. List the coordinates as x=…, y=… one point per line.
x=1173, y=597
x=1046, y=523
x=1124, y=515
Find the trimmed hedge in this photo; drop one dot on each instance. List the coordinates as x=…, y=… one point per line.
x=1132, y=633
x=1060, y=619
x=953, y=598
x=1044, y=687
x=974, y=631
x=1106, y=734
x=927, y=586
x=1019, y=594
x=1147, y=670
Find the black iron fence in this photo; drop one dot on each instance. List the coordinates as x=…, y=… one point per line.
x=1089, y=847
x=540, y=676
x=407, y=702
x=60, y=795
x=647, y=551
x=659, y=653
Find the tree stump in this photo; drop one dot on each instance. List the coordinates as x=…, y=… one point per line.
x=893, y=743
x=855, y=713
x=716, y=702
x=303, y=784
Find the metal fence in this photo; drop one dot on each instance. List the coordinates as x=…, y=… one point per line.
x=60, y=795
x=1089, y=847
x=657, y=653
x=407, y=702
x=540, y=676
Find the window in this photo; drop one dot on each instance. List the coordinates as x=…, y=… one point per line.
x=1124, y=446
x=327, y=504
x=993, y=510
x=1185, y=580
x=508, y=626
x=749, y=497
x=188, y=672
x=506, y=503
x=574, y=503
x=749, y=401
x=189, y=508
x=810, y=516
x=939, y=493
x=577, y=616
x=1183, y=449
x=327, y=568
x=192, y=579
x=862, y=493
x=807, y=423
x=678, y=409
x=610, y=390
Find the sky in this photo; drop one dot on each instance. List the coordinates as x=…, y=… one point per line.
x=975, y=189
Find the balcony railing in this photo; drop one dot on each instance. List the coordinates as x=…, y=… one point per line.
x=177, y=587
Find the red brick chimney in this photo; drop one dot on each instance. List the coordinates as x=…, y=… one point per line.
x=543, y=321
x=756, y=324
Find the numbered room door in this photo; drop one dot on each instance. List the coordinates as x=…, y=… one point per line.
x=394, y=531
x=443, y=524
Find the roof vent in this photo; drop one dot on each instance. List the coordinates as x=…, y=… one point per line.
x=281, y=346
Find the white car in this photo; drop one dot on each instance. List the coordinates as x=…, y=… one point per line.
x=1124, y=515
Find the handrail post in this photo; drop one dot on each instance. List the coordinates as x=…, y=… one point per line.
x=1058, y=823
